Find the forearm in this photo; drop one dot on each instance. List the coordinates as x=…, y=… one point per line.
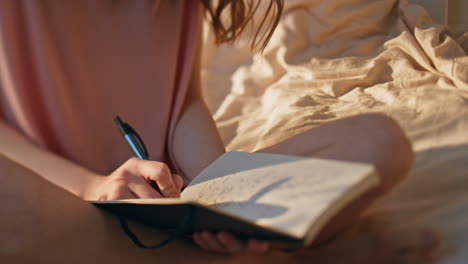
x=54, y=168
x=50, y=232
x=196, y=139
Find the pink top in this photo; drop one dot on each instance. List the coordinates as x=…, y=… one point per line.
x=67, y=68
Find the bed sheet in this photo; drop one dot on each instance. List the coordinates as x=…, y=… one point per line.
x=336, y=58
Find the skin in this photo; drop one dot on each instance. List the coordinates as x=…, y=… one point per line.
x=43, y=223
x=80, y=215
x=349, y=139
x=339, y=145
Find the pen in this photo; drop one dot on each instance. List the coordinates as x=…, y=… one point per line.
x=135, y=142
x=132, y=138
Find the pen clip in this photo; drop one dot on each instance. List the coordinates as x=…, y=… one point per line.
x=127, y=129
x=137, y=136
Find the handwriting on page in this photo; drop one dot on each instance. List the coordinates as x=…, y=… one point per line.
x=264, y=192
x=253, y=184
x=288, y=194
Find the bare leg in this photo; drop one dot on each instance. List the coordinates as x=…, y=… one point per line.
x=42, y=223
x=370, y=138
x=403, y=247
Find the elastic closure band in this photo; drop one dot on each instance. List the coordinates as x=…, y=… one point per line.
x=178, y=233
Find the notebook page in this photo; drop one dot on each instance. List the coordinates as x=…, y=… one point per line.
x=281, y=192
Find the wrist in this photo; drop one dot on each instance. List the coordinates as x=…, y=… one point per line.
x=87, y=190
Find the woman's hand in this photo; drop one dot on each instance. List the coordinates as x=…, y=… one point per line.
x=133, y=180
x=224, y=242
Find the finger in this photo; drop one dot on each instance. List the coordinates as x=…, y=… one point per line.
x=103, y=197
x=257, y=246
x=160, y=173
x=213, y=244
x=199, y=241
x=121, y=193
x=142, y=189
x=229, y=242
x=178, y=181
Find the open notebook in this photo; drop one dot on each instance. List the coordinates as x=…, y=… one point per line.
x=279, y=198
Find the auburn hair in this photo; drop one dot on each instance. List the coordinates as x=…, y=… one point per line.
x=228, y=27
x=230, y=17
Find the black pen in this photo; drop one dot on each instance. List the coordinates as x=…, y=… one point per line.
x=132, y=138
x=135, y=142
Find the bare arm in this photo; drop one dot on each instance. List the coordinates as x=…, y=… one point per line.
x=50, y=232
x=130, y=180
x=54, y=168
x=197, y=142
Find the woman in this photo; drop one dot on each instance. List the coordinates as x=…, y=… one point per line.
x=68, y=67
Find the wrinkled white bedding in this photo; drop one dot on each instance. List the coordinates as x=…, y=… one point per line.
x=335, y=58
